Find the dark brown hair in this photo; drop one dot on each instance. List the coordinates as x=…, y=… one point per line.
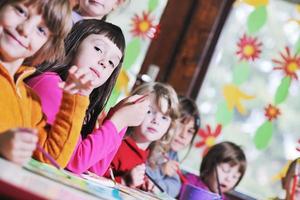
x=224, y=152
x=291, y=172
x=189, y=111
x=57, y=16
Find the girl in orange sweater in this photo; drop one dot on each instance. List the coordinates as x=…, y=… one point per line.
x=31, y=32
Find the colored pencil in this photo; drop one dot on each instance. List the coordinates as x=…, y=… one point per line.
x=154, y=182
x=50, y=158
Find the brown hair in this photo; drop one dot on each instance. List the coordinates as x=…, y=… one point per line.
x=57, y=16
x=224, y=152
x=291, y=172
x=189, y=111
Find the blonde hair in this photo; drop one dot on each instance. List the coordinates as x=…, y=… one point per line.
x=161, y=92
x=57, y=16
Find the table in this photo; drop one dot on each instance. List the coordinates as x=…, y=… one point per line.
x=41, y=181
x=19, y=183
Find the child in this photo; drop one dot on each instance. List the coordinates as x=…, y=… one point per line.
x=224, y=163
x=291, y=182
x=99, y=47
x=129, y=162
x=163, y=163
x=31, y=32
x=97, y=9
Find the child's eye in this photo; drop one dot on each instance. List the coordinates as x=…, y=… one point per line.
x=111, y=64
x=21, y=11
x=165, y=117
x=98, y=49
x=226, y=170
x=42, y=30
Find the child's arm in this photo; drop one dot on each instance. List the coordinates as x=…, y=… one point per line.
x=62, y=138
x=46, y=86
x=99, y=148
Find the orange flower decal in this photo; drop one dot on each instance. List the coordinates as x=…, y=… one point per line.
x=144, y=27
x=208, y=137
x=248, y=48
x=272, y=112
x=289, y=64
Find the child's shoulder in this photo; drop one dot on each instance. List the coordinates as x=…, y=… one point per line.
x=46, y=78
x=195, y=180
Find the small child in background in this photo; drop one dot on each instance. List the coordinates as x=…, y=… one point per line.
x=163, y=162
x=291, y=181
x=97, y=9
x=31, y=32
x=222, y=168
x=129, y=163
x=95, y=47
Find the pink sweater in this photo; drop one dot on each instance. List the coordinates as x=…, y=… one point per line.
x=95, y=152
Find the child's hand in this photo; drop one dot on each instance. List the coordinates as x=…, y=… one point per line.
x=148, y=185
x=79, y=81
x=170, y=168
x=17, y=145
x=128, y=112
x=137, y=175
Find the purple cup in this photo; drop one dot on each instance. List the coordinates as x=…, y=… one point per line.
x=191, y=192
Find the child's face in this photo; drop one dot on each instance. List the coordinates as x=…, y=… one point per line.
x=97, y=8
x=155, y=124
x=228, y=176
x=22, y=32
x=100, y=55
x=183, y=134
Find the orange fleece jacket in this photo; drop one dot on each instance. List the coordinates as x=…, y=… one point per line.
x=20, y=107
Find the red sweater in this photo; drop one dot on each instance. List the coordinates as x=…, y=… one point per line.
x=128, y=156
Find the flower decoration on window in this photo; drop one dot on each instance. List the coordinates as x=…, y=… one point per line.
x=234, y=97
x=272, y=112
x=249, y=48
x=144, y=27
x=289, y=64
x=208, y=137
